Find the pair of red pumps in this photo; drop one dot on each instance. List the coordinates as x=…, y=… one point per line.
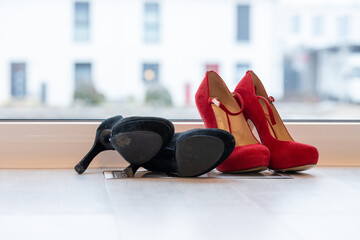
x=219, y=108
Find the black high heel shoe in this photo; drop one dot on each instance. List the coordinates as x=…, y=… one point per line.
x=137, y=139
x=101, y=143
x=193, y=153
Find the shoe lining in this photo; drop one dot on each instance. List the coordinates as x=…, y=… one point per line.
x=239, y=127
x=277, y=130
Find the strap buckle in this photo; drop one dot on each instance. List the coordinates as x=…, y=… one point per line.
x=216, y=102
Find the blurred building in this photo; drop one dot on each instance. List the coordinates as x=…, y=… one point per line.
x=53, y=50
x=321, y=45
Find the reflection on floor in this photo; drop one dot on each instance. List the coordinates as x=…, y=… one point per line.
x=120, y=174
x=323, y=203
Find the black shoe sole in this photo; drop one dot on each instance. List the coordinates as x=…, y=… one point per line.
x=137, y=147
x=139, y=139
x=197, y=155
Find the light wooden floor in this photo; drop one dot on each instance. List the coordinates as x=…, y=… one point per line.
x=323, y=203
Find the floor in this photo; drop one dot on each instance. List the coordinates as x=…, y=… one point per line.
x=323, y=203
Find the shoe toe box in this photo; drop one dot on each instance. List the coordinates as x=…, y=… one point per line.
x=246, y=158
x=292, y=154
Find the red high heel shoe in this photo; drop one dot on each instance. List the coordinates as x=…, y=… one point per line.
x=285, y=153
x=221, y=109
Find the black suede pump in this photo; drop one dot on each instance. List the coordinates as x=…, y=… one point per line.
x=193, y=153
x=150, y=142
x=137, y=139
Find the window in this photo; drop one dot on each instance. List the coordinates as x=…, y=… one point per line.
x=294, y=48
x=43, y=93
x=82, y=74
x=295, y=24
x=151, y=72
x=317, y=28
x=151, y=23
x=18, y=80
x=82, y=22
x=342, y=27
x=243, y=23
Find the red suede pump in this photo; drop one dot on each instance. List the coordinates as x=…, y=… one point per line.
x=285, y=153
x=219, y=108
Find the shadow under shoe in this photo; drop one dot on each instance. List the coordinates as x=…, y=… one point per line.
x=193, y=153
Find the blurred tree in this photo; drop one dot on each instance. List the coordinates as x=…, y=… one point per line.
x=87, y=93
x=157, y=95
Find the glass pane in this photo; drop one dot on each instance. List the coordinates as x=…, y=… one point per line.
x=243, y=23
x=82, y=18
x=94, y=59
x=151, y=23
x=295, y=24
x=18, y=80
x=317, y=28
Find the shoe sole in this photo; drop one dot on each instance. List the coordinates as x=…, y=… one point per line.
x=251, y=170
x=137, y=147
x=197, y=155
x=297, y=169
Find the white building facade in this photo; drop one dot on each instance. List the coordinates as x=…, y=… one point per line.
x=48, y=47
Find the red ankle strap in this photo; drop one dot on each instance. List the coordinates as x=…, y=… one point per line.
x=267, y=100
x=238, y=99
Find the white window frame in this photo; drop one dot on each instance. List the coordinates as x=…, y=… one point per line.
x=61, y=144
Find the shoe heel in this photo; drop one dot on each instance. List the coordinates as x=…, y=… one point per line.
x=85, y=162
x=101, y=143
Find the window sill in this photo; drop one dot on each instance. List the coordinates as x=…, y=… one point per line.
x=52, y=144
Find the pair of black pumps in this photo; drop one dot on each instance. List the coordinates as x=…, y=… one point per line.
x=151, y=143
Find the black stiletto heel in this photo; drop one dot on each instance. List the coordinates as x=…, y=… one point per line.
x=193, y=153
x=85, y=162
x=101, y=143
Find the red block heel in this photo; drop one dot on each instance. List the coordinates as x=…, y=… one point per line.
x=219, y=108
x=285, y=153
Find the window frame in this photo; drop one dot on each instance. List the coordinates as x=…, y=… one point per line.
x=35, y=144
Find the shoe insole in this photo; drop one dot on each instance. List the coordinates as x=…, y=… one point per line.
x=238, y=125
x=277, y=130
